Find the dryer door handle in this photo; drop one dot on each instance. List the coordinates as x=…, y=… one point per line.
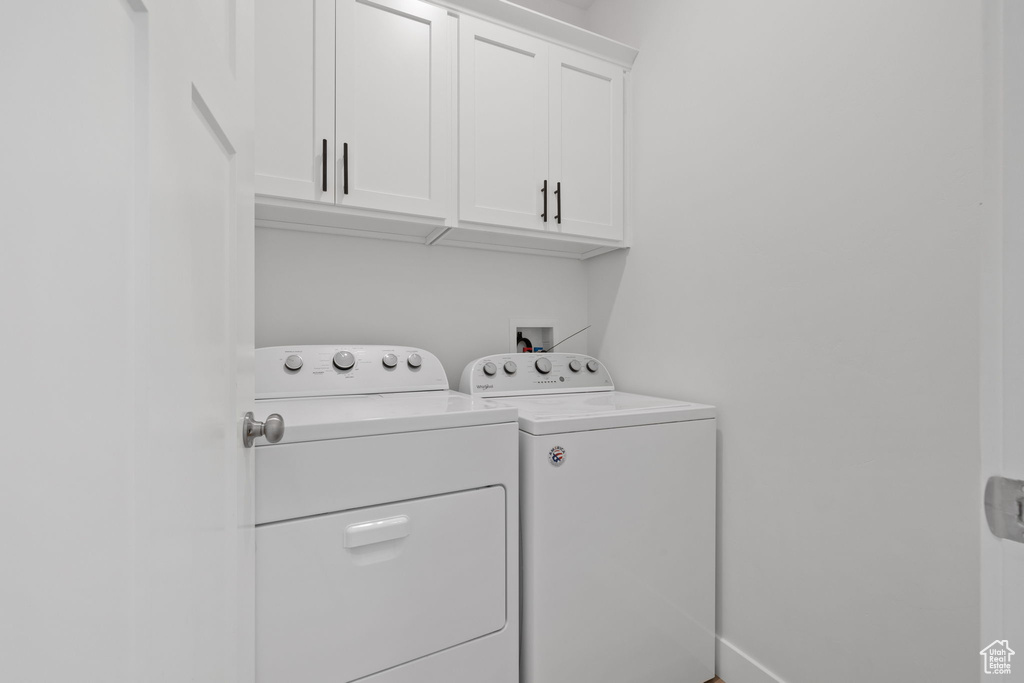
x=377, y=531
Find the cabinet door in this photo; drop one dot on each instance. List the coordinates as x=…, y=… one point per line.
x=587, y=144
x=503, y=126
x=294, y=98
x=394, y=107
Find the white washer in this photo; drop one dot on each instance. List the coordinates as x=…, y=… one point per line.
x=387, y=522
x=617, y=512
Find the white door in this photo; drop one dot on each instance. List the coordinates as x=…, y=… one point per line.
x=1002, y=561
x=394, y=133
x=295, y=99
x=586, y=113
x=503, y=127
x=126, y=276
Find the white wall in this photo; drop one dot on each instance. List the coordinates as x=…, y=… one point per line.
x=324, y=289
x=808, y=181
x=997, y=98
x=1003, y=336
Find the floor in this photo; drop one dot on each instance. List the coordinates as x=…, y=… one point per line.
x=715, y=680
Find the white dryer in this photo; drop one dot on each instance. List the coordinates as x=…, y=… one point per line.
x=387, y=522
x=617, y=513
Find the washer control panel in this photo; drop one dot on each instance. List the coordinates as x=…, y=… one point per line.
x=520, y=374
x=345, y=369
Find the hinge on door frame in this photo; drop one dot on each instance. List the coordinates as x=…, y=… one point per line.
x=1004, y=508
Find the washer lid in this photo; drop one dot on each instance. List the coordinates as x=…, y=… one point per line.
x=555, y=414
x=342, y=417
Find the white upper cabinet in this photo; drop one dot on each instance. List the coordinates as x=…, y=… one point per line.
x=586, y=134
x=472, y=123
x=539, y=126
x=503, y=126
x=295, y=98
x=353, y=104
x=393, y=107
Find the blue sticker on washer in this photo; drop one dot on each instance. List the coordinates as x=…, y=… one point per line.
x=556, y=456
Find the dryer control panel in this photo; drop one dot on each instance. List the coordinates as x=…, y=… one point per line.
x=523, y=374
x=345, y=369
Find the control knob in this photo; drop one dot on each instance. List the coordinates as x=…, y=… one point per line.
x=414, y=360
x=592, y=365
x=390, y=360
x=293, y=362
x=510, y=368
x=543, y=366
x=575, y=365
x=344, y=360
x=490, y=368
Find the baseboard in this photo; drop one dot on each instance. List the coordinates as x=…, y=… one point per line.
x=735, y=666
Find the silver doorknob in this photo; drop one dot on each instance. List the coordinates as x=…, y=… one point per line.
x=272, y=429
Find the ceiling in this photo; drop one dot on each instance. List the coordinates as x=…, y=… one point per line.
x=582, y=4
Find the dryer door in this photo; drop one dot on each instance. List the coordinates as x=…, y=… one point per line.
x=346, y=595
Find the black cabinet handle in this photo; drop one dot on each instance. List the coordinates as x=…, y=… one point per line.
x=324, y=158
x=344, y=166
x=544, y=191
x=558, y=194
